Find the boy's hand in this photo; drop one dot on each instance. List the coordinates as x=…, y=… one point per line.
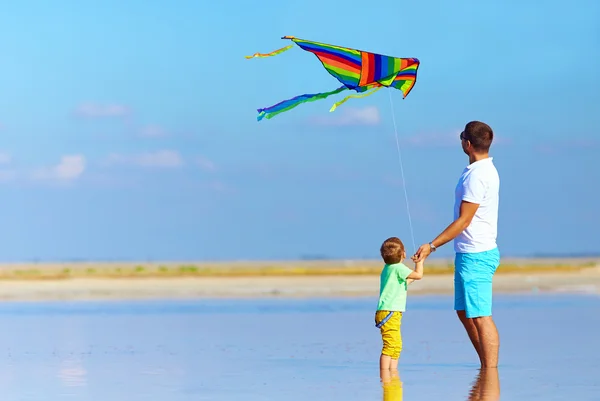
x=417, y=274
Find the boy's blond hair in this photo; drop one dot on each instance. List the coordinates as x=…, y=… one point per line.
x=392, y=251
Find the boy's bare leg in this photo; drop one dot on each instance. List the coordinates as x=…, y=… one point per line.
x=385, y=362
x=393, y=364
x=472, y=331
x=489, y=341
x=385, y=375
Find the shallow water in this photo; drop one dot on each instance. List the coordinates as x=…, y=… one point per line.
x=291, y=350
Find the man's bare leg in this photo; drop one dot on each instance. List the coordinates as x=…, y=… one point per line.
x=489, y=341
x=471, y=329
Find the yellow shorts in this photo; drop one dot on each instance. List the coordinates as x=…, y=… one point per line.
x=390, y=333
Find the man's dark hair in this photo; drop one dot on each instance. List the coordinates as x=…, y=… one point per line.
x=480, y=135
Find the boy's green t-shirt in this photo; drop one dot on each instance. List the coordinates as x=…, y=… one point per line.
x=393, y=287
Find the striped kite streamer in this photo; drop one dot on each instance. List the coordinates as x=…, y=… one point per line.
x=355, y=69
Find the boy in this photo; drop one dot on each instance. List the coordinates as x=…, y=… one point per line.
x=394, y=280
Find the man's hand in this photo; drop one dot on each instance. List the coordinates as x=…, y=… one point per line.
x=422, y=253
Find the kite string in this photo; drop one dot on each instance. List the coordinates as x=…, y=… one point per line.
x=412, y=234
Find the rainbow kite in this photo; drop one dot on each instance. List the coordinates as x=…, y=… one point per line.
x=357, y=70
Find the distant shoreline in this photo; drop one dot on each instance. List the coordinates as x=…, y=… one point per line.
x=136, y=281
x=133, y=270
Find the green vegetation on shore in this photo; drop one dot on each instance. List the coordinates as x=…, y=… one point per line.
x=256, y=269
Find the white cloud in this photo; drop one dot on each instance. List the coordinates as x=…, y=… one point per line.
x=7, y=175
x=161, y=158
x=444, y=139
x=68, y=169
x=206, y=164
x=153, y=131
x=350, y=116
x=5, y=158
x=557, y=146
x=220, y=187
x=92, y=110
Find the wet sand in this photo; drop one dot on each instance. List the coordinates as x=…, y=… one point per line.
x=292, y=349
x=583, y=281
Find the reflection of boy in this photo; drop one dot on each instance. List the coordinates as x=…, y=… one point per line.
x=392, y=386
x=395, y=277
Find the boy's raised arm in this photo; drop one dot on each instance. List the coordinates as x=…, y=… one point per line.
x=417, y=274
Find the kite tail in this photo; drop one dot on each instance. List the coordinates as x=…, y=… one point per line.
x=273, y=53
x=270, y=112
x=336, y=105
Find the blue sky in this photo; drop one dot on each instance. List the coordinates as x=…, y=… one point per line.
x=129, y=128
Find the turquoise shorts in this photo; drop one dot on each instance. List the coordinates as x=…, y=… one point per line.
x=473, y=273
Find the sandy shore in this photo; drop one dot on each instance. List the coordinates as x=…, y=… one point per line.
x=587, y=281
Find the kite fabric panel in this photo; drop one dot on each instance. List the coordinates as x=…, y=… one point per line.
x=355, y=69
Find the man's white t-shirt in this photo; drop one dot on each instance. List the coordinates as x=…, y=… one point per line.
x=479, y=183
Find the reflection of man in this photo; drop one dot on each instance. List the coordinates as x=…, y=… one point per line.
x=474, y=233
x=392, y=386
x=486, y=386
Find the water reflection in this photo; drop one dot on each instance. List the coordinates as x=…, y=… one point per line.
x=486, y=386
x=392, y=386
x=72, y=373
x=183, y=351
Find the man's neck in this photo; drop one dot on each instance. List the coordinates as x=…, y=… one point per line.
x=475, y=157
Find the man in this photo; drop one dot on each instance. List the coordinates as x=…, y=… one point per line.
x=474, y=233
